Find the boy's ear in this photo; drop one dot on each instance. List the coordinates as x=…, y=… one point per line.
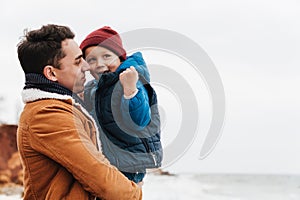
x=49, y=73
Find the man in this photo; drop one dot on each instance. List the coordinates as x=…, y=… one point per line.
x=57, y=138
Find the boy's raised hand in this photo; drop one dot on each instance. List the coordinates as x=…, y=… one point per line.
x=128, y=79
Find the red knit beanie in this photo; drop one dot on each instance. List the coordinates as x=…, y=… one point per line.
x=107, y=38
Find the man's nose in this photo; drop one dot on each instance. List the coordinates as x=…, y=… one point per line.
x=85, y=66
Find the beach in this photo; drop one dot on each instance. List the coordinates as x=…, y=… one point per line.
x=214, y=187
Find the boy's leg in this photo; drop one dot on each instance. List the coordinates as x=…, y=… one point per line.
x=135, y=177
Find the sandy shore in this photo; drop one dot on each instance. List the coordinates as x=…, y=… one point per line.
x=207, y=187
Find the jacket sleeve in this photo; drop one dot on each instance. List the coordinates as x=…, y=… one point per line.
x=63, y=137
x=136, y=111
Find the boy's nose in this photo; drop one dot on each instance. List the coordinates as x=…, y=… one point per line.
x=102, y=66
x=100, y=62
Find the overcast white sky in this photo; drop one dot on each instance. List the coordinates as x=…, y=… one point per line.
x=254, y=44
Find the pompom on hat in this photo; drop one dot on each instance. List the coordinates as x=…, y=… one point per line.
x=107, y=38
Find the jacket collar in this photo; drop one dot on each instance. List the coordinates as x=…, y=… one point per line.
x=34, y=94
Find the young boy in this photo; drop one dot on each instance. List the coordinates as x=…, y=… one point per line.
x=124, y=103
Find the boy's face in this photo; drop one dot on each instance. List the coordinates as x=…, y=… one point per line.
x=101, y=60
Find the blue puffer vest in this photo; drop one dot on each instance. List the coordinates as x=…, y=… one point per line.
x=128, y=147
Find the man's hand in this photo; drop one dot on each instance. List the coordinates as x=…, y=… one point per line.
x=128, y=79
x=140, y=184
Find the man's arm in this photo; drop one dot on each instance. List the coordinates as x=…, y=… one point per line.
x=69, y=144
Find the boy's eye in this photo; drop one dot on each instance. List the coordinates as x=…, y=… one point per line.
x=91, y=60
x=106, y=56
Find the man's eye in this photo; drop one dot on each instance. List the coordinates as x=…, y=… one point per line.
x=78, y=62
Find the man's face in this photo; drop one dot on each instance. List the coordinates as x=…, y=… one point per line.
x=72, y=67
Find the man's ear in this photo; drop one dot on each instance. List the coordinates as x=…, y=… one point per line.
x=49, y=73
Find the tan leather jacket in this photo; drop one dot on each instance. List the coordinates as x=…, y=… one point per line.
x=58, y=143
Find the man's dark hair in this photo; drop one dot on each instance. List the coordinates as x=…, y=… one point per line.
x=42, y=47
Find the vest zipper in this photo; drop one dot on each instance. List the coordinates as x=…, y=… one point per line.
x=154, y=158
x=150, y=152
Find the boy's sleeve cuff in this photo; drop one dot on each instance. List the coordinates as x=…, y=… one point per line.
x=132, y=95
